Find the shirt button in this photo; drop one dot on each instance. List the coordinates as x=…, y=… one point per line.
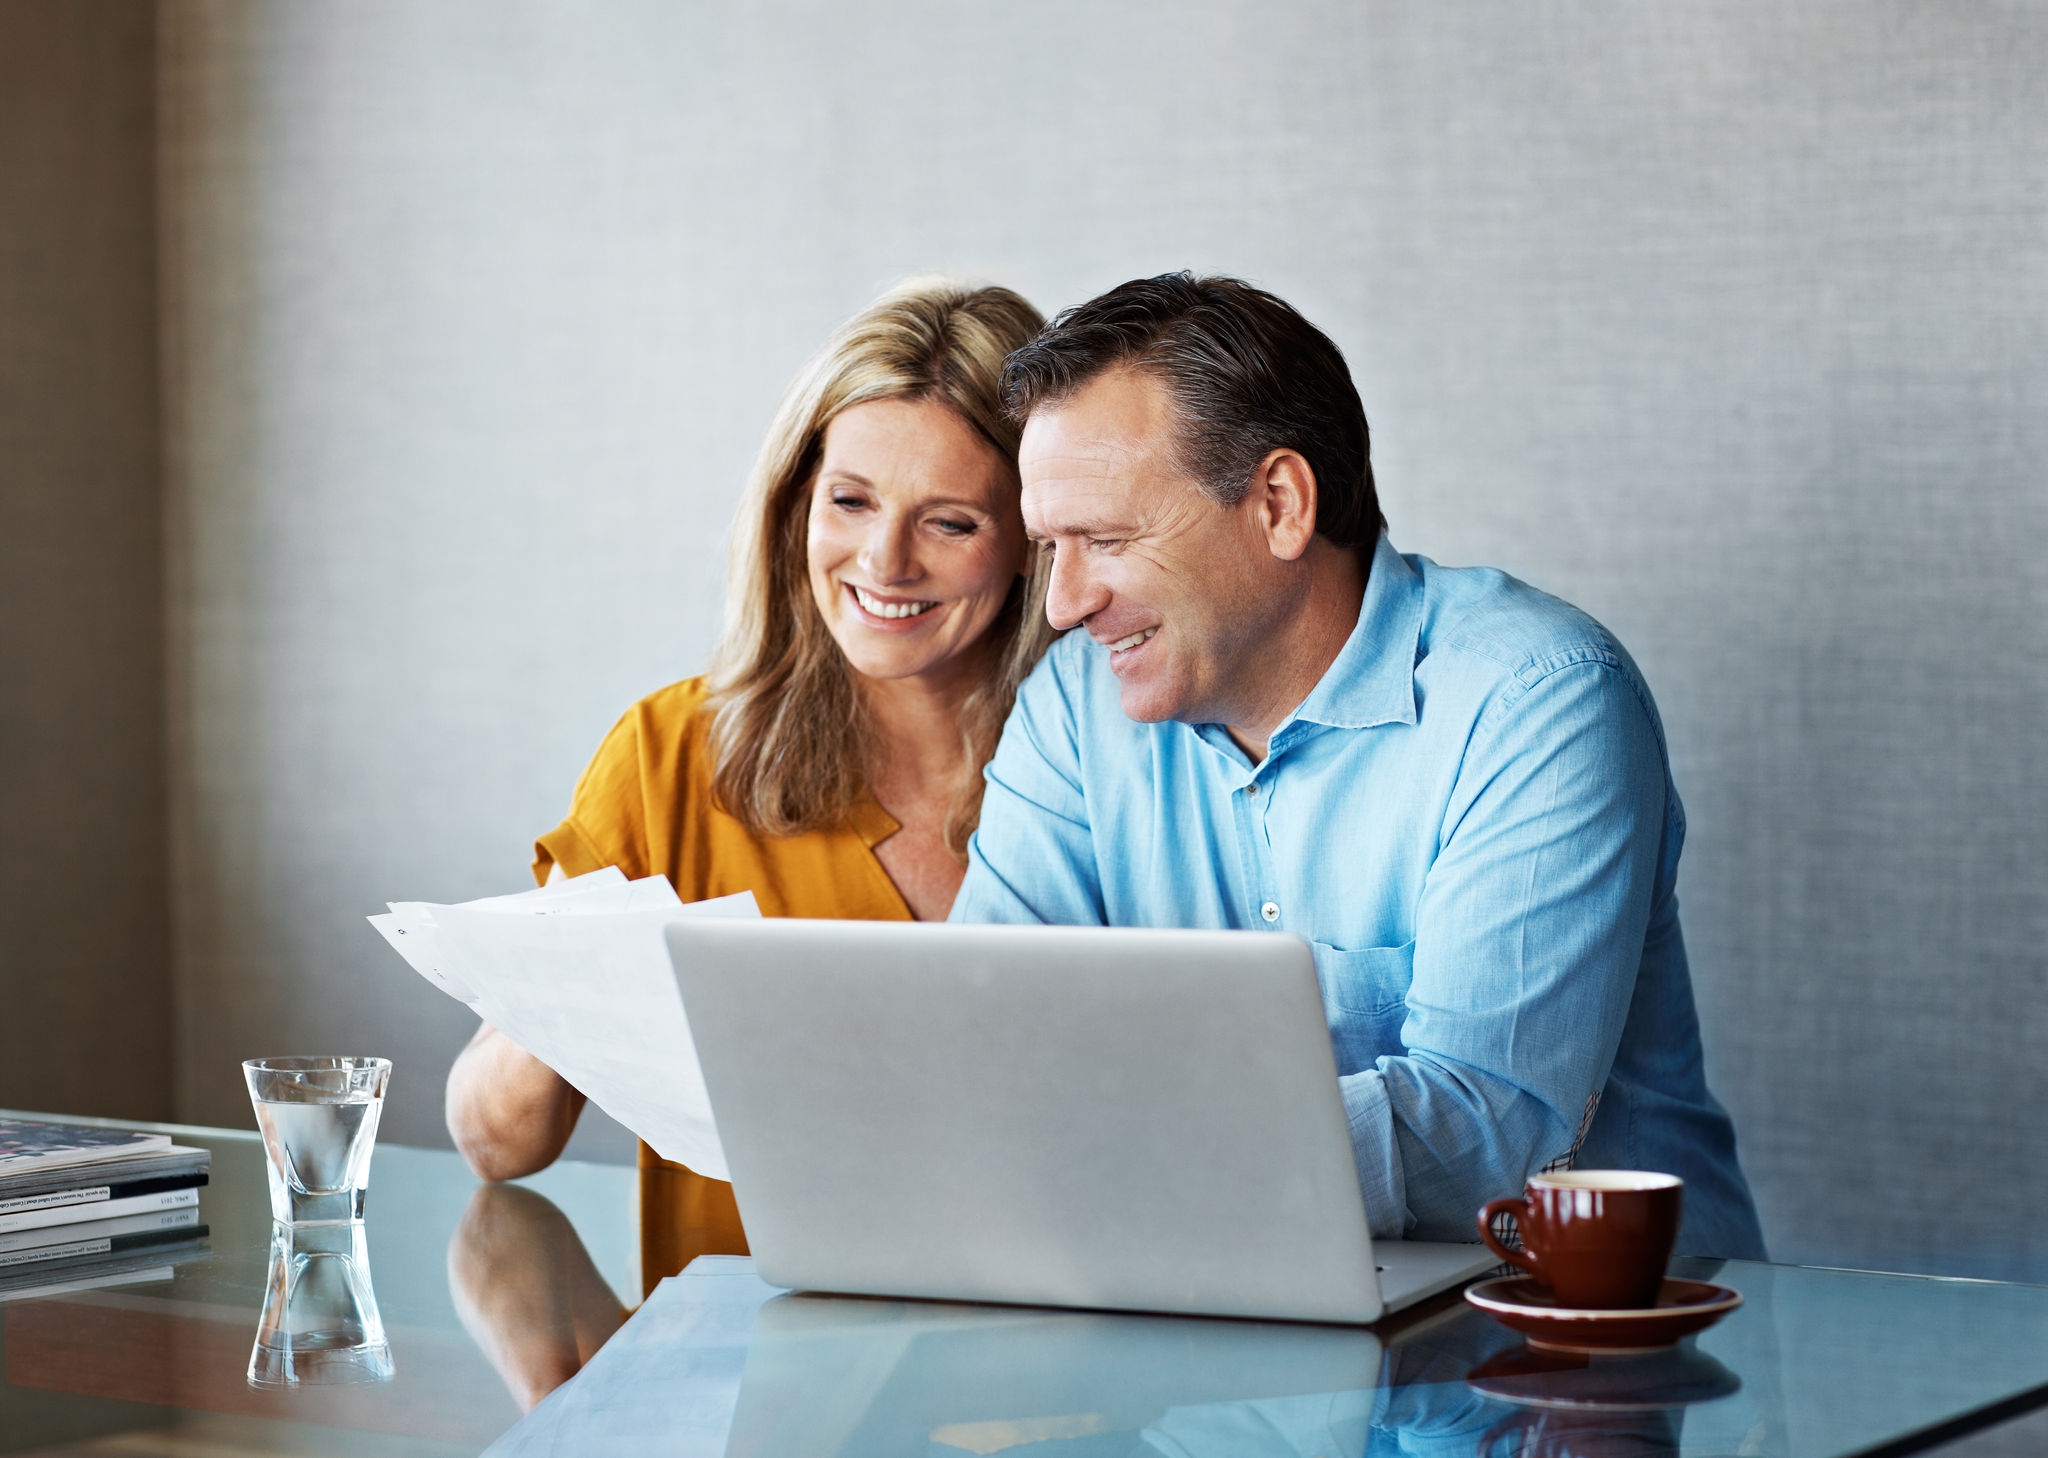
x=1270, y=911
x=1252, y=789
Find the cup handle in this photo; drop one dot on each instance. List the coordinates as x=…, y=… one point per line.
x=1512, y=1206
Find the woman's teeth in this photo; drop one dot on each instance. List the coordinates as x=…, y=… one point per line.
x=882, y=609
x=1133, y=641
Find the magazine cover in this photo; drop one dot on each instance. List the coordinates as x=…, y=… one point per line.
x=29, y=1144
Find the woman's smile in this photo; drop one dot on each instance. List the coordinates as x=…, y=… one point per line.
x=889, y=609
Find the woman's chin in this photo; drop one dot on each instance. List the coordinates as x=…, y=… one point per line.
x=890, y=662
x=895, y=667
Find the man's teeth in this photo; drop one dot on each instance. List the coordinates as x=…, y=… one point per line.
x=1133, y=641
x=891, y=609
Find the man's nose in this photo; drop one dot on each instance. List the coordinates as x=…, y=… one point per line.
x=887, y=553
x=1072, y=595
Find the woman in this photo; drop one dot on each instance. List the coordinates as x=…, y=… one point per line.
x=883, y=605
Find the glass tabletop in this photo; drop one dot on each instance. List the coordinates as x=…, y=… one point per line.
x=489, y=1295
x=493, y=1297
x=1815, y=1363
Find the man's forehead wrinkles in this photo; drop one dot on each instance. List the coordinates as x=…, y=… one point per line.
x=1079, y=458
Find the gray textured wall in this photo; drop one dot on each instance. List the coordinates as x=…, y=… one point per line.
x=1724, y=321
x=85, y=985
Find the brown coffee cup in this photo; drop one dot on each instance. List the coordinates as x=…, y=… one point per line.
x=1598, y=1238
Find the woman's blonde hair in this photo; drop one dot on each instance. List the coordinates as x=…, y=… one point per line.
x=791, y=735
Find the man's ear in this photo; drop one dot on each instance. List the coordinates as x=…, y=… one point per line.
x=1283, y=494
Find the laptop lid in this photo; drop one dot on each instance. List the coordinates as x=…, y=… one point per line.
x=1114, y=1118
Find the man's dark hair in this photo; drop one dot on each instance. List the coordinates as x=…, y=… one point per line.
x=1248, y=376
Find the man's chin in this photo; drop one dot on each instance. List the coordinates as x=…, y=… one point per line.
x=1146, y=703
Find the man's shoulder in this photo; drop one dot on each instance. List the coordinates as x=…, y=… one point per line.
x=1498, y=625
x=1074, y=693
x=1077, y=670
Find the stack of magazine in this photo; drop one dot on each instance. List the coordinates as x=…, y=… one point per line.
x=83, y=1206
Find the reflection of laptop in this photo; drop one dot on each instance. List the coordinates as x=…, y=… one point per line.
x=827, y=1375
x=1060, y=1116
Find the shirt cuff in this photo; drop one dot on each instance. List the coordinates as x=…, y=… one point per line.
x=1380, y=1177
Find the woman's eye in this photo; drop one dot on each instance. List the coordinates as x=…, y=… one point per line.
x=843, y=500
x=955, y=528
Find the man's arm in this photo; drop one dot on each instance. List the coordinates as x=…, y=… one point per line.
x=1528, y=938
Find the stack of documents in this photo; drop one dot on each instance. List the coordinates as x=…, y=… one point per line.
x=83, y=1206
x=578, y=975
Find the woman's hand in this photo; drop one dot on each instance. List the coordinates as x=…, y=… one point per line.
x=510, y=1114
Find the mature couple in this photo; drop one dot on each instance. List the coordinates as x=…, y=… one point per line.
x=1453, y=786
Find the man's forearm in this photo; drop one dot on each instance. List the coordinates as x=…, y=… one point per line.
x=1434, y=1142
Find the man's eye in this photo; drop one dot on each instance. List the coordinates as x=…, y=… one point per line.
x=1105, y=544
x=955, y=528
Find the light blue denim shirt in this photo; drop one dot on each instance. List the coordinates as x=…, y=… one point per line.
x=1471, y=820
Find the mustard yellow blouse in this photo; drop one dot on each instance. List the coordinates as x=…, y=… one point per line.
x=644, y=805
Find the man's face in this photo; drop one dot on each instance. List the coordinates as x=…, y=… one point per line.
x=1180, y=591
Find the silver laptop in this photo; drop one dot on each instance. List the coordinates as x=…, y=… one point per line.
x=1059, y=1116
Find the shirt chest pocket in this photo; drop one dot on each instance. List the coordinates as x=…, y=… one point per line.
x=1365, y=995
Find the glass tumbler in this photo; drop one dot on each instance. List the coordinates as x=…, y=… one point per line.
x=319, y=1121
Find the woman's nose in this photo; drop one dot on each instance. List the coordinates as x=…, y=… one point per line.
x=887, y=553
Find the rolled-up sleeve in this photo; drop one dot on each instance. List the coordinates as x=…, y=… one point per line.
x=1528, y=937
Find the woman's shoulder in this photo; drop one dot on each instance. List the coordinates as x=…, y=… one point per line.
x=681, y=709
x=651, y=769
x=661, y=734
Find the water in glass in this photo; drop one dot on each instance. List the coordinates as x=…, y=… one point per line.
x=318, y=1116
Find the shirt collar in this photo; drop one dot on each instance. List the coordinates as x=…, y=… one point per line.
x=1372, y=679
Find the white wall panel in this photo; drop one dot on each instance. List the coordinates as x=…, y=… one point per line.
x=1726, y=322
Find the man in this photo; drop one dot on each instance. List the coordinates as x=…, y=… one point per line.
x=1454, y=787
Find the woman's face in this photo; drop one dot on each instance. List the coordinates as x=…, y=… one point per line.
x=915, y=538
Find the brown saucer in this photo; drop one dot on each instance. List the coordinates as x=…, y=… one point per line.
x=1683, y=1307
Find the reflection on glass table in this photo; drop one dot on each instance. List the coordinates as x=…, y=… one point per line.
x=492, y=1298
x=320, y=1324
x=527, y=1290
x=1815, y=1364
x=161, y=1368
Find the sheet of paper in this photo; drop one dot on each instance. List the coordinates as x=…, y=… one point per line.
x=590, y=993
x=568, y=887
x=414, y=936
x=411, y=930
